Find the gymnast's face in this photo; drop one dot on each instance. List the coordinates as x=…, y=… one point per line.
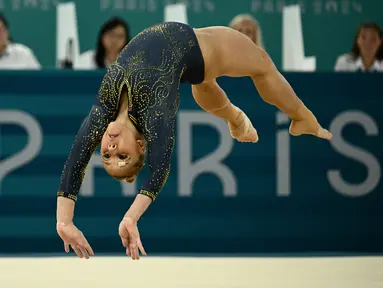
x=121, y=152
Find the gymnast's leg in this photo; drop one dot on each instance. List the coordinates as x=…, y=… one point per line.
x=211, y=97
x=228, y=52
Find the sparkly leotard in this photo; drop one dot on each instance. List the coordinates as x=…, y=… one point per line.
x=151, y=66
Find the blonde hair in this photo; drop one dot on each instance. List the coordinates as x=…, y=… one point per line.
x=247, y=17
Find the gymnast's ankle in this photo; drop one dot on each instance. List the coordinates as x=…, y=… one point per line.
x=234, y=117
x=300, y=113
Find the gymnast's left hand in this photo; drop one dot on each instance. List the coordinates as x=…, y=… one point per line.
x=130, y=238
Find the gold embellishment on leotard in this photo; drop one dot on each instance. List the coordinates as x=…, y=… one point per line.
x=134, y=120
x=191, y=43
x=181, y=74
x=148, y=193
x=111, y=87
x=174, y=45
x=138, y=56
x=150, y=87
x=130, y=99
x=73, y=197
x=70, y=196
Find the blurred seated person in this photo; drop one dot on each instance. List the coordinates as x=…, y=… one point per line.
x=367, y=52
x=247, y=25
x=14, y=55
x=112, y=38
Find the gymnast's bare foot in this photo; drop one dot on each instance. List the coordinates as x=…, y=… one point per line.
x=242, y=129
x=306, y=123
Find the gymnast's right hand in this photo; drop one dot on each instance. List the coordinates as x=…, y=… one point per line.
x=74, y=237
x=68, y=231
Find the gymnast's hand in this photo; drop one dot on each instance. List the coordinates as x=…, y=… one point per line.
x=74, y=237
x=130, y=238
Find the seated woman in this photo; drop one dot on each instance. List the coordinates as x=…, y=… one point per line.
x=112, y=38
x=367, y=51
x=14, y=56
x=138, y=102
x=249, y=26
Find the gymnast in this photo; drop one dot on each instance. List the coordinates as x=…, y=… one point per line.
x=135, y=111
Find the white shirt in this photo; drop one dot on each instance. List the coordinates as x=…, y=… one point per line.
x=347, y=63
x=18, y=56
x=87, y=61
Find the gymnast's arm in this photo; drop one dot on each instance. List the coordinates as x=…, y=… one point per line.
x=160, y=150
x=89, y=136
x=87, y=139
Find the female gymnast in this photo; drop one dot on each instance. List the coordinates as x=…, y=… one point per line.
x=137, y=105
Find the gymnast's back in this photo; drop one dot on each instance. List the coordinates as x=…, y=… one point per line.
x=168, y=47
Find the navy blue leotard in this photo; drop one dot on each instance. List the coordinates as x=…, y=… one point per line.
x=151, y=67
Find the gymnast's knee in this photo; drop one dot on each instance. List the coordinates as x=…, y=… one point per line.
x=205, y=87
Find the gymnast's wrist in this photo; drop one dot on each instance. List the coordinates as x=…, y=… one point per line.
x=138, y=207
x=65, y=211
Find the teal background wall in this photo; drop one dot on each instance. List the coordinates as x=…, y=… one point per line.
x=317, y=215
x=329, y=25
